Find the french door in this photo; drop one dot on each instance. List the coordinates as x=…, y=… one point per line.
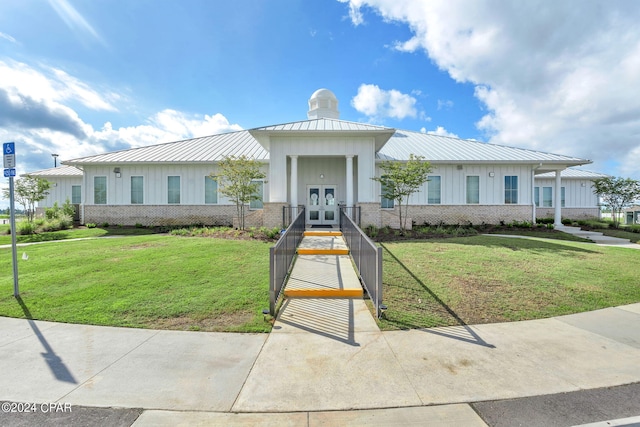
x=322, y=206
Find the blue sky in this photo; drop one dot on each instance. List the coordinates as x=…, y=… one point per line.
x=84, y=77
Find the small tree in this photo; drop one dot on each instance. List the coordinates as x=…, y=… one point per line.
x=616, y=194
x=400, y=180
x=28, y=191
x=236, y=181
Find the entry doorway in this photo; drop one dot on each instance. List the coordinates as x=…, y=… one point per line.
x=322, y=207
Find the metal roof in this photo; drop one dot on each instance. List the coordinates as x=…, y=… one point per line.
x=197, y=150
x=444, y=149
x=574, y=173
x=391, y=144
x=59, y=171
x=324, y=125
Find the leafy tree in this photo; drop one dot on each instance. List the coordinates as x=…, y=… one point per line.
x=237, y=181
x=28, y=191
x=400, y=180
x=617, y=194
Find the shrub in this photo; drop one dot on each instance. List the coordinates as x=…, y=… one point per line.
x=371, y=231
x=26, y=227
x=105, y=225
x=567, y=221
x=91, y=225
x=138, y=225
x=545, y=220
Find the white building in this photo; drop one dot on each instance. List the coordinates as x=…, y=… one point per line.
x=323, y=163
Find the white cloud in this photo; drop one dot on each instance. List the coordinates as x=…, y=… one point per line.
x=36, y=112
x=554, y=76
x=379, y=103
x=7, y=37
x=440, y=131
x=74, y=20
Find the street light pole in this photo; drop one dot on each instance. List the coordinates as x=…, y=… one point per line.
x=55, y=160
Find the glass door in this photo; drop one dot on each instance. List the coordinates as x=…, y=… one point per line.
x=322, y=207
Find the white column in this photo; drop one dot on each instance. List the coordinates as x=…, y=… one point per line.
x=558, y=200
x=349, y=184
x=294, y=186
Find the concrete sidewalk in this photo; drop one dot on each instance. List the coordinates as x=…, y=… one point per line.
x=344, y=372
x=599, y=238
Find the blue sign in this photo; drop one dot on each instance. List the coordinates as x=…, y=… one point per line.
x=9, y=148
x=9, y=172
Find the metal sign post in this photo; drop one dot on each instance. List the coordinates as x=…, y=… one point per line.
x=9, y=152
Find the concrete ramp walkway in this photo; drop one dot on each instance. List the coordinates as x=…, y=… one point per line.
x=323, y=268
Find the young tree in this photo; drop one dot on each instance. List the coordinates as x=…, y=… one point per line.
x=28, y=191
x=237, y=181
x=400, y=180
x=617, y=193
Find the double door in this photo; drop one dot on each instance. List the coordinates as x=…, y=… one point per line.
x=322, y=206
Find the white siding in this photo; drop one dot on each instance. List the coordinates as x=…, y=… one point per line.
x=155, y=183
x=453, y=184
x=312, y=149
x=578, y=192
x=60, y=190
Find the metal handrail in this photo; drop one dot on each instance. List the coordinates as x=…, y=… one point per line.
x=281, y=257
x=367, y=257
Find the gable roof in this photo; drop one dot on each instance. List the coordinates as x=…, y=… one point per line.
x=59, y=171
x=574, y=173
x=205, y=149
x=445, y=149
x=390, y=144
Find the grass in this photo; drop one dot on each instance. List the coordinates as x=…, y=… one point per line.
x=621, y=233
x=212, y=284
x=157, y=281
x=486, y=279
x=74, y=233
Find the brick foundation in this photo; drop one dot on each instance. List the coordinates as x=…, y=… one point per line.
x=444, y=214
x=159, y=215
x=570, y=213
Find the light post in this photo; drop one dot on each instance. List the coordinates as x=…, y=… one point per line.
x=55, y=160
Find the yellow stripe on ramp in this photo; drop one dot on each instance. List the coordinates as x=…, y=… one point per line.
x=322, y=233
x=323, y=293
x=309, y=251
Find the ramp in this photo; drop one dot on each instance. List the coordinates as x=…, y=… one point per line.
x=323, y=268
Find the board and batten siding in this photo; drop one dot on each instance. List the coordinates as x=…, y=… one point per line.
x=577, y=193
x=60, y=191
x=155, y=183
x=454, y=181
x=318, y=147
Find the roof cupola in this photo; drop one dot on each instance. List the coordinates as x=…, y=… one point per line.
x=323, y=104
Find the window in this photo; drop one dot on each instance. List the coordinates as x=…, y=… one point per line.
x=473, y=189
x=173, y=189
x=547, y=197
x=99, y=190
x=511, y=190
x=210, y=190
x=137, y=190
x=384, y=202
x=536, y=196
x=257, y=203
x=562, y=196
x=76, y=194
x=433, y=190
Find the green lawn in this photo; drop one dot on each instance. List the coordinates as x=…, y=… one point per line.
x=75, y=233
x=211, y=284
x=485, y=279
x=154, y=281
